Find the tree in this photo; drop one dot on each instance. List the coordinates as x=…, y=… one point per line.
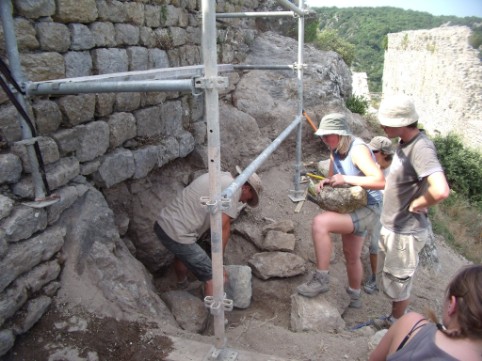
x=329, y=40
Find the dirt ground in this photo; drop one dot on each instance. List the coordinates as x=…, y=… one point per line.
x=64, y=334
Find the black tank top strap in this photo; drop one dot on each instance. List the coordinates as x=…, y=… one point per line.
x=415, y=327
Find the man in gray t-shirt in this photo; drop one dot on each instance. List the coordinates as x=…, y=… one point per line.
x=181, y=223
x=416, y=181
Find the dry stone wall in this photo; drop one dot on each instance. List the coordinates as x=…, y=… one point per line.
x=443, y=73
x=96, y=139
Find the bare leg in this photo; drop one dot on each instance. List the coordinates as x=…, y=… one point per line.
x=399, y=307
x=180, y=269
x=352, y=246
x=208, y=288
x=324, y=224
x=373, y=263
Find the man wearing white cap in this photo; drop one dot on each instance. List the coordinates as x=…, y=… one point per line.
x=183, y=222
x=416, y=181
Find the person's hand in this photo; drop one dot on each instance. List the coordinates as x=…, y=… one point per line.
x=423, y=210
x=321, y=184
x=337, y=180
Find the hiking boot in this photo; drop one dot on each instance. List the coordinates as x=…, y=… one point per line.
x=384, y=322
x=355, y=298
x=371, y=286
x=318, y=283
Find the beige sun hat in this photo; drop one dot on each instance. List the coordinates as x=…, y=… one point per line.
x=334, y=123
x=397, y=111
x=382, y=144
x=255, y=182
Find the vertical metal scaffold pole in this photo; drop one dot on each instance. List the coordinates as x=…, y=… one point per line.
x=297, y=194
x=16, y=70
x=211, y=84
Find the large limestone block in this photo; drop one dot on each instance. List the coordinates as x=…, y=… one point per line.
x=314, y=314
x=341, y=200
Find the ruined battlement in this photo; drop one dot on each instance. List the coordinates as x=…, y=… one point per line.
x=443, y=73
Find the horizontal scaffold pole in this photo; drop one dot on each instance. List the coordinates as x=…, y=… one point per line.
x=256, y=14
x=250, y=169
x=263, y=67
x=184, y=72
x=67, y=87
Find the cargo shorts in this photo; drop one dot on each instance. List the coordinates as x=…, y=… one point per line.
x=398, y=261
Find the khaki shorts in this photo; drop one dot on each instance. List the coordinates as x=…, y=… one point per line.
x=364, y=218
x=397, y=262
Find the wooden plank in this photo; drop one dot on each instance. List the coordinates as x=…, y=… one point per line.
x=300, y=203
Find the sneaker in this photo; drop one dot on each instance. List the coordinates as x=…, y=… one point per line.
x=384, y=322
x=319, y=283
x=371, y=286
x=355, y=298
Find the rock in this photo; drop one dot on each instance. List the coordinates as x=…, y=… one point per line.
x=266, y=265
x=341, y=200
x=314, y=314
x=188, y=310
x=238, y=287
x=375, y=339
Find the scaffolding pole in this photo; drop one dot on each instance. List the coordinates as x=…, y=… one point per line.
x=297, y=194
x=263, y=67
x=185, y=72
x=108, y=87
x=211, y=83
x=251, y=168
x=16, y=70
x=203, y=77
x=219, y=352
x=256, y=14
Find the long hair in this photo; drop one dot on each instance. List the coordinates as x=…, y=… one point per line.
x=466, y=286
x=344, y=144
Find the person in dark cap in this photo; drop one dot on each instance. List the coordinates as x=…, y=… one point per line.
x=351, y=164
x=384, y=150
x=183, y=222
x=416, y=181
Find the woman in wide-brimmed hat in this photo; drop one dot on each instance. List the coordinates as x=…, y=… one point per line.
x=351, y=164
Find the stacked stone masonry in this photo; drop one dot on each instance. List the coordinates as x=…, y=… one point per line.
x=443, y=73
x=103, y=139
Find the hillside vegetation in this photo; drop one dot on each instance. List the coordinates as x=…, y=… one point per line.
x=359, y=34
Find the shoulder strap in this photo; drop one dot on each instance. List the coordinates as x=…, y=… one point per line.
x=415, y=327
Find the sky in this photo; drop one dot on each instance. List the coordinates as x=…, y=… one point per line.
x=459, y=8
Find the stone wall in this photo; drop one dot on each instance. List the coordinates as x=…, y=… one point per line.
x=443, y=73
x=360, y=85
x=99, y=139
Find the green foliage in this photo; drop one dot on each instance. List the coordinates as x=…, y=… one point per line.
x=462, y=166
x=329, y=40
x=405, y=42
x=367, y=29
x=311, y=29
x=475, y=40
x=357, y=104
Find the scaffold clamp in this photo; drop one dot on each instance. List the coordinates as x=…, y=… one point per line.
x=215, y=82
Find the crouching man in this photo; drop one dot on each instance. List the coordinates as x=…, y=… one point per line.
x=182, y=223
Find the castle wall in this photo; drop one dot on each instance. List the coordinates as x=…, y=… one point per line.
x=443, y=74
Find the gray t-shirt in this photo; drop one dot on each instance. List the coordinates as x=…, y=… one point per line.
x=185, y=219
x=412, y=164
